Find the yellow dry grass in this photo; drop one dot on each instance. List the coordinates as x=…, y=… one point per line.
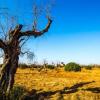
x=84, y=85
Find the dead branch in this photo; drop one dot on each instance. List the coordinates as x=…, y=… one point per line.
x=35, y=33
x=2, y=44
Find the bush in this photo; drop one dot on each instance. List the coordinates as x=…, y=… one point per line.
x=88, y=67
x=23, y=66
x=50, y=66
x=17, y=92
x=33, y=66
x=72, y=67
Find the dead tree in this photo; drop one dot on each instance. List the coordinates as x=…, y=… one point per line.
x=12, y=50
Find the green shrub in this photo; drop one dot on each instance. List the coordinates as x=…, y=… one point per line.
x=72, y=67
x=33, y=66
x=88, y=67
x=23, y=66
x=50, y=66
x=17, y=92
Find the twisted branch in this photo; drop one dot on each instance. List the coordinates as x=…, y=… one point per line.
x=34, y=32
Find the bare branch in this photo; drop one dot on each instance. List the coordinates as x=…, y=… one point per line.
x=30, y=54
x=2, y=44
x=35, y=33
x=24, y=41
x=1, y=53
x=15, y=33
x=2, y=28
x=17, y=29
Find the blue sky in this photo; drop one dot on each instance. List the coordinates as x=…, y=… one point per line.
x=74, y=34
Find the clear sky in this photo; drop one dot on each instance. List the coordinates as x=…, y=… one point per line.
x=74, y=34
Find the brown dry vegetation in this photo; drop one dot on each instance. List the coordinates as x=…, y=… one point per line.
x=57, y=84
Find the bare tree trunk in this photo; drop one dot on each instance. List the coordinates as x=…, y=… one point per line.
x=8, y=71
x=4, y=76
x=12, y=51
x=12, y=73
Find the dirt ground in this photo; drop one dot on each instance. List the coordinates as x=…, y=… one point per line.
x=58, y=84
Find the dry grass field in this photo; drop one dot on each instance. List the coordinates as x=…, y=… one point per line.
x=58, y=84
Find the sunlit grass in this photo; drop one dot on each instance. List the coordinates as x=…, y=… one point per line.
x=58, y=79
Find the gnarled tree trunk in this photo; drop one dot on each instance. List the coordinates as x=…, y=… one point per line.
x=12, y=51
x=9, y=67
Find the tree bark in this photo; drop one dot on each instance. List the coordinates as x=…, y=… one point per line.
x=12, y=51
x=12, y=72
x=4, y=76
x=7, y=73
x=10, y=65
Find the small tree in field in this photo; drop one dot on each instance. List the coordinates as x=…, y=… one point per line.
x=12, y=49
